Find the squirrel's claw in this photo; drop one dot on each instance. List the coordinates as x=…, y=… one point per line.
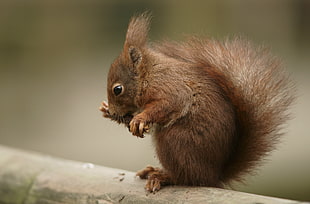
x=153, y=185
x=138, y=126
x=156, y=178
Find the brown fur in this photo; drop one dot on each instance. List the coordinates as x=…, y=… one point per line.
x=215, y=107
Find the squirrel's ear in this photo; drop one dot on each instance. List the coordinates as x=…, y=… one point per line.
x=135, y=55
x=138, y=30
x=136, y=38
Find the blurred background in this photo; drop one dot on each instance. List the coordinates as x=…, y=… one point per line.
x=55, y=55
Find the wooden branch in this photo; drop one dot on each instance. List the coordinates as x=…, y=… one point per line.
x=30, y=178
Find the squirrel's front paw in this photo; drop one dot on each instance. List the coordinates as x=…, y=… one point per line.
x=105, y=109
x=138, y=126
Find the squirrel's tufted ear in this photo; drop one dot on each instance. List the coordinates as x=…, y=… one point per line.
x=136, y=38
x=138, y=30
x=135, y=55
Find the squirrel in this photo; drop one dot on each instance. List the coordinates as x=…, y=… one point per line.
x=214, y=108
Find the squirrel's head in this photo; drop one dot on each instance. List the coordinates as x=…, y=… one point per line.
x=125, y=71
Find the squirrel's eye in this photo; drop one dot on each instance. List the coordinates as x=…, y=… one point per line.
x=118, y=89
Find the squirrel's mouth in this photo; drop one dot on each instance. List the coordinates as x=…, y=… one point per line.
x=125, y=119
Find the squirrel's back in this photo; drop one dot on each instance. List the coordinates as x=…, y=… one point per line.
x=255, y=84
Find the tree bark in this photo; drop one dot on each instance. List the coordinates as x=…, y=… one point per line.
x=32, y=178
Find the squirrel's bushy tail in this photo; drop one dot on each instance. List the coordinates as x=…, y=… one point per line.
x=258, y=88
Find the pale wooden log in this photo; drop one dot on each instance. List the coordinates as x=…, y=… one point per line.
x=32, y=178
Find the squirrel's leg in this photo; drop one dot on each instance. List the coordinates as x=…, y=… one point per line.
x=153, y=112
x=156, y=178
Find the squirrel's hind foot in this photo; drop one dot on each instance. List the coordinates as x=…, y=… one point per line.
x=156, y=178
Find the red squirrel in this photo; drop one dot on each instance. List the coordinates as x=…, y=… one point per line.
x=215, y=108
